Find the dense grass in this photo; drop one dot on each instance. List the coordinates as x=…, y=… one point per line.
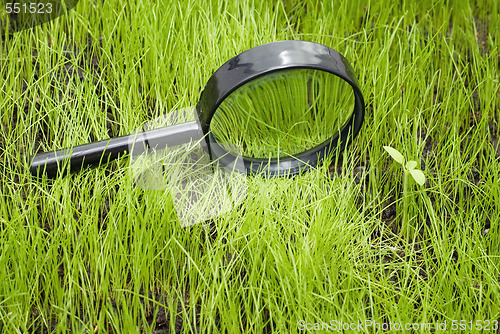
x=92, y=252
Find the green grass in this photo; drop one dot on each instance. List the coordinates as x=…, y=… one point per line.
x=93, y=252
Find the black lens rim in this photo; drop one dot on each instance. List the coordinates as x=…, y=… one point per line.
x=263, y=60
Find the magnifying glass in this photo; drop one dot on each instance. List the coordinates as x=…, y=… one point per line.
x=282, y=107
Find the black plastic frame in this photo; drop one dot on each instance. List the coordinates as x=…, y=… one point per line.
x=265, y=59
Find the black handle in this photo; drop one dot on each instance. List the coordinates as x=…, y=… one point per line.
x=93, y=154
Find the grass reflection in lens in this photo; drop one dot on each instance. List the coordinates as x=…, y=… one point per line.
x=283, y=113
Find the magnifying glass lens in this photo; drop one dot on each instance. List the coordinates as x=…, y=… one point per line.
x=283, y=113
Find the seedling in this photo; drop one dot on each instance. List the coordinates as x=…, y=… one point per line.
x=410, y=167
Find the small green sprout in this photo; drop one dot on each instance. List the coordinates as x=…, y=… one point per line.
x=409, y=167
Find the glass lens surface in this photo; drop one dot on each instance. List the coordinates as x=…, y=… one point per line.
x=283, y=113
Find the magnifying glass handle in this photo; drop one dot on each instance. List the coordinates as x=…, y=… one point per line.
x=94, y=154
